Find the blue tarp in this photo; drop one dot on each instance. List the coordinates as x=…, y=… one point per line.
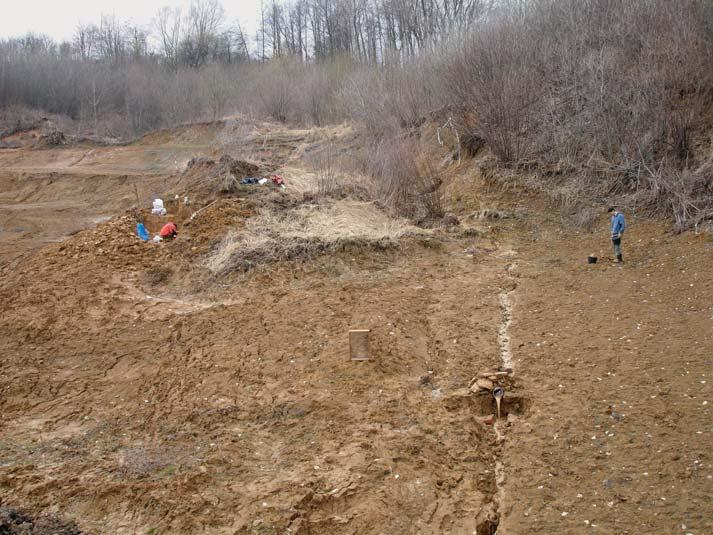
x=141, y=232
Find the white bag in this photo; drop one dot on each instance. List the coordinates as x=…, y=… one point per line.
x=158, y=208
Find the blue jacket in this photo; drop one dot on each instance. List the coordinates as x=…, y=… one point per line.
x=618, y=225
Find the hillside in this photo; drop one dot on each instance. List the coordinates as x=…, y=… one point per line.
x=204, y=384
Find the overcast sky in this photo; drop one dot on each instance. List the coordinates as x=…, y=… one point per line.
x=59, y=18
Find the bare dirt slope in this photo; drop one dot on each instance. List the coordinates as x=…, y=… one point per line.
x=49, y=193
x=127, y=412
x=46, y=194
x=618, y=365
x=142, y=393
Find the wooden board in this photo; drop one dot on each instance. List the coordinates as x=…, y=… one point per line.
x=359, y=344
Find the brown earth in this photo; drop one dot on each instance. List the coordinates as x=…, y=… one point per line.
x=141, y=394
x=47, y=194
x=245, y=415
x=618, y=365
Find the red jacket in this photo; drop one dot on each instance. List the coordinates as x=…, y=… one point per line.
x=169, y=229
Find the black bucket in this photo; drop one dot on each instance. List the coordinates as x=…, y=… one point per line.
x=591, y=259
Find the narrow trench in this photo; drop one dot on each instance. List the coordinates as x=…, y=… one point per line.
x=499, y=427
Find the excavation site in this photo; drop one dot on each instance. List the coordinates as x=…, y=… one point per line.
x=387, y=289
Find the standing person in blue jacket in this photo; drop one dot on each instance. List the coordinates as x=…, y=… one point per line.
x=618, y=226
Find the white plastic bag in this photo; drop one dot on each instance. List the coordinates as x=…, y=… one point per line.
x=158, y=208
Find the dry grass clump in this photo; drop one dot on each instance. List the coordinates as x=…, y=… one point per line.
x=402, y=178
x=305, y=231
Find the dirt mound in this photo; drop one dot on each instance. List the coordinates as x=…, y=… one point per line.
x=206, y=177
x=113, y=244
x=216, y=220
x=29, y=137
x=32, y=133
x=175, y=413
x=238, y=168
x=13, y=522
x=228, y=173
x=306, y=231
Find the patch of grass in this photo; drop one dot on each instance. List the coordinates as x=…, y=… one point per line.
x=170, y=470
x=305, y=231
x=150, y=462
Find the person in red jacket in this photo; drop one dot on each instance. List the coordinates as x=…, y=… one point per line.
x=169, y=231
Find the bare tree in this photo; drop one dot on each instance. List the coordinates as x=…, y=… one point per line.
x=137, y=38
x=84, y=40
x=111, y=43
x=204, y=20
x=168, y=23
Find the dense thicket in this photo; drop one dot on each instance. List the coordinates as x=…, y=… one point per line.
x=610, y=95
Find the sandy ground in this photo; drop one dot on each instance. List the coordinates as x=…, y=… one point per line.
x=618, y=365
x=47, y=194
x=187, y=415
x=140, y=394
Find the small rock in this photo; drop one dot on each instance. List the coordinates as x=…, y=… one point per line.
x=487, y=420
x=484, y=384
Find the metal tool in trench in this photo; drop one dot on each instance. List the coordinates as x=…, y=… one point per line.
x=498, y=393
